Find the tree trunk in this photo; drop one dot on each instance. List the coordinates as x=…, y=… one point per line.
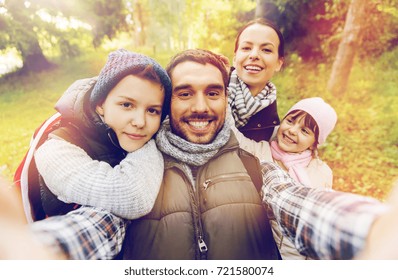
x=27, y=42
x=140, y=25
x=33, y=58
x=344, y=60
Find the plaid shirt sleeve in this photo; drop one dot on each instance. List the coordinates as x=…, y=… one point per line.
x=323, y=224
x=85, y=233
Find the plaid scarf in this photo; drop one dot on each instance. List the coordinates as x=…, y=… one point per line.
x=187, y=152
x=243, y=104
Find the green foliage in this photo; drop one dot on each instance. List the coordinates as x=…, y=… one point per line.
x=380, y=28
x=107, y=18
x=313, y=28
x=181, y=24
x=43, y=26
x=220, y=30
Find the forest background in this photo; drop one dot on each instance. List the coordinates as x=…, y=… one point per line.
x=46, y=45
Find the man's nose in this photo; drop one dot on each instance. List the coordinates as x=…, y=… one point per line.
x=200, y=103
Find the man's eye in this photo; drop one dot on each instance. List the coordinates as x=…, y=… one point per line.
x=213, y=94
x=184, y=94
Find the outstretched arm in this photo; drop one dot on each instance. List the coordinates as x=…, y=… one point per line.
x=86, y=233
x=322, y=224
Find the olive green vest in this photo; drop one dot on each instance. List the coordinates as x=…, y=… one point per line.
x=221, y=217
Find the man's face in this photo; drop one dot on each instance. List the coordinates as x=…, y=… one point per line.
x=198, y=102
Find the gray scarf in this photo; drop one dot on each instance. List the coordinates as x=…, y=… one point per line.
x=243, y=104
x=187, y=152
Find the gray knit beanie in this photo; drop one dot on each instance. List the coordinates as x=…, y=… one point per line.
x=120, y=64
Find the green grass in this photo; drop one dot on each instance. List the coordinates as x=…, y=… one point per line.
x=362, y=150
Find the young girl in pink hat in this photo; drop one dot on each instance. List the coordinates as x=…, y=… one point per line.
x=294, y=147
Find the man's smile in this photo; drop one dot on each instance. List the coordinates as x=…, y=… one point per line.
x=199, y=124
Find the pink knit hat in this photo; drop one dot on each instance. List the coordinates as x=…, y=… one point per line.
x=324, y=115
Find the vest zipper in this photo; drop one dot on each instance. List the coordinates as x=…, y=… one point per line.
x=201, y=249
x=199, y=229
x=202, y=246
x=239, y=176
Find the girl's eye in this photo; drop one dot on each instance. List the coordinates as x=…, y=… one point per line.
x=126, y=104
x=306, y=131
x=245, y=48
x=267, y=50
x=154, y=111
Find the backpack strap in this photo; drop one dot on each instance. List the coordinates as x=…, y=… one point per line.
x=27, y=177
x=26, y=173
x=252, y=165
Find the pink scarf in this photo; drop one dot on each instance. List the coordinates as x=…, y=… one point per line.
x=294, y=162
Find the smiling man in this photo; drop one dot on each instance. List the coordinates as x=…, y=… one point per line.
x=199, y=102
x=208, y=207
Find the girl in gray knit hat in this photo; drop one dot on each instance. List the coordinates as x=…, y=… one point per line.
x=103, y=154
